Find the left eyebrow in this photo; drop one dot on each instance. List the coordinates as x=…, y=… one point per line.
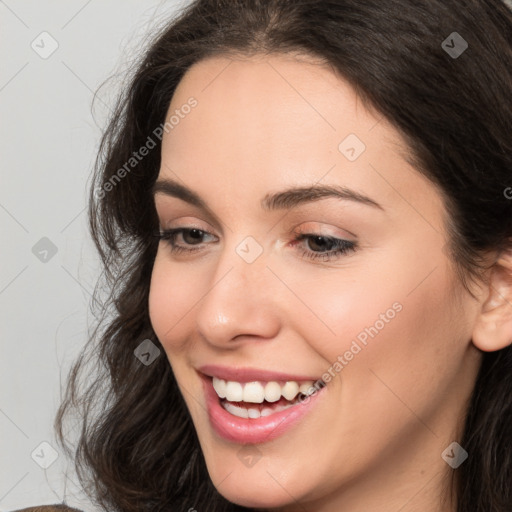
x=299, y=195
x=286, y=199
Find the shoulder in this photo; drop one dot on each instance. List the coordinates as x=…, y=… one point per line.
x=49, y=508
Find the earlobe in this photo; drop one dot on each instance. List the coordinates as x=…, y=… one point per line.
x=493, y=326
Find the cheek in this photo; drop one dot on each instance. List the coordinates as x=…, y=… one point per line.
x=171, y=297
x=409, y=363
x=346, y=307
x=397, y=316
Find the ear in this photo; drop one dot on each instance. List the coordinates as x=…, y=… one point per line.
x=493, y=327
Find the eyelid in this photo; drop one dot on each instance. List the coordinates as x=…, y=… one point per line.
x=171, y=207
x=319, y=229
x=182, y=222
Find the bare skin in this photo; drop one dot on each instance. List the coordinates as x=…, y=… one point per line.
x=262, y=125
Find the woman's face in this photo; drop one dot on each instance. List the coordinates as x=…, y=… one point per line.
x=311, y=250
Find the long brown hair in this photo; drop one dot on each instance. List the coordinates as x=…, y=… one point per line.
x=137, y=447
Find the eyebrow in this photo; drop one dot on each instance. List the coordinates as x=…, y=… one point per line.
x=286, y=199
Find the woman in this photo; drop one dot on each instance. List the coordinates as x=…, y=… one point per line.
x=305, y=218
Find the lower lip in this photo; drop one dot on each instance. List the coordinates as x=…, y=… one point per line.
x=257, y=430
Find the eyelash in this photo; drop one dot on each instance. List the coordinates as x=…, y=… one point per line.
x=340, y=246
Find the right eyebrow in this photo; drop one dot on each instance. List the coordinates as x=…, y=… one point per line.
x=175, y=189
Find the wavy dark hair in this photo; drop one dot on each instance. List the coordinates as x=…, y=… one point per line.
x=137, y=448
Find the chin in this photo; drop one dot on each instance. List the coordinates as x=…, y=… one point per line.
x=269, y=483
x=254, y=493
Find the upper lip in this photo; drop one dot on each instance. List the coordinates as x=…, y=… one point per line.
x=241, y=374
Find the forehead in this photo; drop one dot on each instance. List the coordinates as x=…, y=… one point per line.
x=258, y=97
x=282, y=118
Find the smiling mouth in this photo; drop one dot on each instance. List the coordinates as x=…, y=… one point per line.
x=251, y=405
x=259, y=399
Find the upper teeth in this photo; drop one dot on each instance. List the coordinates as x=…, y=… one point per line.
x=256, y=392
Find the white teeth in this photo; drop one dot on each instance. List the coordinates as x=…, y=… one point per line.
x=241, y=412
x=253, y=392
x=272, y=392
x=252, y=413
x=220, y=387
x=290, y=390
x=258, y=392
x=234, y=391
x=304, y=388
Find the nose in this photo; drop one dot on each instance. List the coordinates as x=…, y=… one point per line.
x=240, y=303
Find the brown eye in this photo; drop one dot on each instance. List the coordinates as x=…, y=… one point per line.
x=181, y=240
x=324, y=248
x=192, y=236
x=320, y=243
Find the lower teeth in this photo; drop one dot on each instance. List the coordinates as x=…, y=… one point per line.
x=253, y=412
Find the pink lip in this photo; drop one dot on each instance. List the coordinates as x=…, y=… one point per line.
x=251, y=374
x=259, y=430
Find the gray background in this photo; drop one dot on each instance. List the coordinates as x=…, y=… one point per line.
x=48, y=143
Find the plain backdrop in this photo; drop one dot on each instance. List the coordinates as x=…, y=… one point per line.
x=48, y=266
x=54, y=56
